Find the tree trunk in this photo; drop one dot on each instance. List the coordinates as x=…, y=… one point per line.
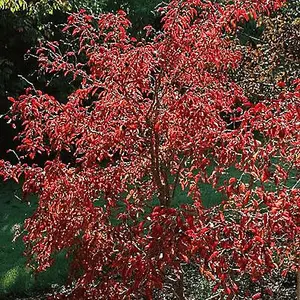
x=179, y=288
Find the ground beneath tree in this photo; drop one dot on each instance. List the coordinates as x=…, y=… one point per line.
x=197, y=288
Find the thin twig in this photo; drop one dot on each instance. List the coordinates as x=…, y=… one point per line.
x=16, y=155
x=27, y=81
x=295, y=184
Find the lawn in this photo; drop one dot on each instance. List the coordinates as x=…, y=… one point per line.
x=15, y=278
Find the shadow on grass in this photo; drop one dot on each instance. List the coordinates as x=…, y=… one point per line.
x=15, y=278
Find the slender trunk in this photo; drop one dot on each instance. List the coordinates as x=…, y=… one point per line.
x=179, y=288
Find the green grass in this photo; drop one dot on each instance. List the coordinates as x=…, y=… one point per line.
x=15, y=277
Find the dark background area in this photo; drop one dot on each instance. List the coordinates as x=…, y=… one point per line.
x=21, y=27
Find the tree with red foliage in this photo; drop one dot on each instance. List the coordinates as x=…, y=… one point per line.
x=145, y=123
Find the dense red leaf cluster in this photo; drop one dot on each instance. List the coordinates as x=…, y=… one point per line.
x=145, y=123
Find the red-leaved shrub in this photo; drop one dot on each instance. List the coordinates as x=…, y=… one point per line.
x=146, y=123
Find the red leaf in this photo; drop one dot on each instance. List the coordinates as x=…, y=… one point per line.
x=121, y=12
x=242, y=188
x=256, y=296
x=247, y=197
x=157, y=126
x=281, y=84
x=269, y=291
x=259, y=239
x=185, y=258
x=228, y=290
x=214, y=254
x=265, y=175
x=232, y=180
x=203, y=230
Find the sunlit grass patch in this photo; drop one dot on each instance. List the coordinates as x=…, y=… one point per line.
x=15, y=277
